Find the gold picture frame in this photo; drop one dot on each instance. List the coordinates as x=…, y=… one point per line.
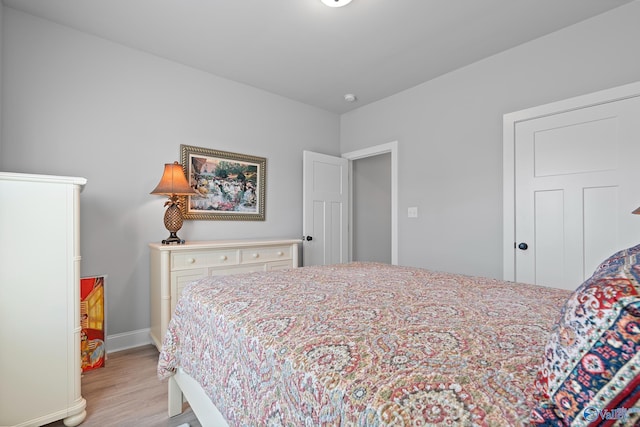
x=231, y=186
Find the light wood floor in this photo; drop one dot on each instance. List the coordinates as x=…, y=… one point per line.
x=127, y=393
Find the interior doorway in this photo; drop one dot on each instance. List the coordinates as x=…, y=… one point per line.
x=371, y=196
x=383, y=230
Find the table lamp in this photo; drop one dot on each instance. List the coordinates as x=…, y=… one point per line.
x=173, y=184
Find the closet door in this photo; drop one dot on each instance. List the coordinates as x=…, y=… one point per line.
x=575, y=185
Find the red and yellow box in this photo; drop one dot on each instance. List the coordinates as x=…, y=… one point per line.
x=92, y=349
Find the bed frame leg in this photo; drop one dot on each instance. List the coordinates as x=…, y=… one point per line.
x=175, y=398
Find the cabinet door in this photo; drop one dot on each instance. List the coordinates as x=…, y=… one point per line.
x=39, y=302
x=180, y=279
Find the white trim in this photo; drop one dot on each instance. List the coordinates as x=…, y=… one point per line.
x=127, y=340
x=391, y=147
x=510, y=121
x=54, y=179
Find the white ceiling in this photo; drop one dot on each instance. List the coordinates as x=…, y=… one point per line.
x=311, y=53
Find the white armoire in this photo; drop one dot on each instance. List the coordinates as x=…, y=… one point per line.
x=40, y=365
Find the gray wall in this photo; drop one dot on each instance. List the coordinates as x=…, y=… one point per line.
x=74, y=104
x=82, y=106
x=449, y=133
x=372, y=208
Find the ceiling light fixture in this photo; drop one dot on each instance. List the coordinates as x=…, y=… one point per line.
x=336, y=3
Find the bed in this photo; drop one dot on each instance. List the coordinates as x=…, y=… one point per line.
x=362, y=344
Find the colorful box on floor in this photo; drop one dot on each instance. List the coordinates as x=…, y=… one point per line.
x=92, y=348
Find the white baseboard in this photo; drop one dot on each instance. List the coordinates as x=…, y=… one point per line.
x=128, y=340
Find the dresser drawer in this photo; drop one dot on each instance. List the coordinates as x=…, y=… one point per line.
x=279, y=265
x=196, y=259
x=237, y=269
x=271, y=253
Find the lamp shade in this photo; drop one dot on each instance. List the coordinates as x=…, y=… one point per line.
x=173, y=181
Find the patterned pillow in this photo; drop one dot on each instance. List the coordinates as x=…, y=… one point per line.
x=591, y=367
x=617, y=259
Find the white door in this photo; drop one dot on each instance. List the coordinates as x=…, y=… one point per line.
x=325, y=211
x=576, y=183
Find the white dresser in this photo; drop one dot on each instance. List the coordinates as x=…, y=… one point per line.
x=174, y=266
x=40, y=364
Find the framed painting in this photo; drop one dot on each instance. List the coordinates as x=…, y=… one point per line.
x=230, y=186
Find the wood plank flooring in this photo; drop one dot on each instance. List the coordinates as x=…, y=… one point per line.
x=127, y=393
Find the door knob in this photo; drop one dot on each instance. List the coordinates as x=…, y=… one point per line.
x=308, y=238
x=523, y=246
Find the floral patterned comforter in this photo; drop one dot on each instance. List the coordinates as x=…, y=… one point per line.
x=362, y=344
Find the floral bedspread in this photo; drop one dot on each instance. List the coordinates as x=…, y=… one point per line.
x=363, y=344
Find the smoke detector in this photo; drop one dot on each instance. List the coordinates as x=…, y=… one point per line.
x=349, y=97
x=336, y=3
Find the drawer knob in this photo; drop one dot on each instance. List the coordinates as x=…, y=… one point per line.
x=256, y=255
x=191, y=260
x=280, y=253
x=223, y=258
